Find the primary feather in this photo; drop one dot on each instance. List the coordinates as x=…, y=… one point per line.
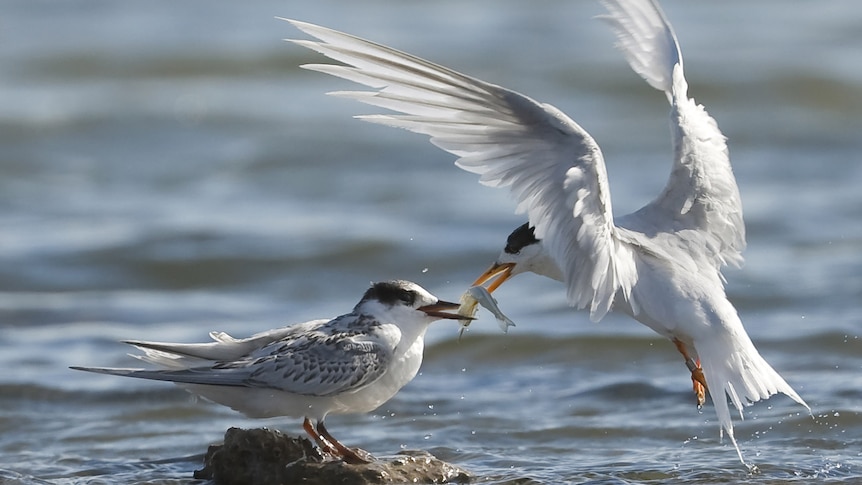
x=541, y=155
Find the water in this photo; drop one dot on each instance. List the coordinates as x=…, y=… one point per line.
x=166, y=169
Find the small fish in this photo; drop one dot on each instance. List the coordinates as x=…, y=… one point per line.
x=470, y=301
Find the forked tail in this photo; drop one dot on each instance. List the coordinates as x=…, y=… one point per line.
x=743, y=376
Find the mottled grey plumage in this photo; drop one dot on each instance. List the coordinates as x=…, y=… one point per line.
x=350, y=364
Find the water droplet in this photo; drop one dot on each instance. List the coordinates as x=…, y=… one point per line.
x=424, y=270
x=427, y=436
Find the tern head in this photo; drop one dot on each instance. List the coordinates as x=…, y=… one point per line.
x=405, y=301
x=523, y=253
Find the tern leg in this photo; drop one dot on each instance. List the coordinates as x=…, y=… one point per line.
x=322, y=443
x=351, y=456
x=698, y=381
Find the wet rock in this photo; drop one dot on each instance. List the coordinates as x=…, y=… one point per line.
x=264, y=456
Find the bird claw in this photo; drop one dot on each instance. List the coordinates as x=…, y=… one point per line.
x=357, y=456
x=698, y=382
x=332, y=447
x=700, y=394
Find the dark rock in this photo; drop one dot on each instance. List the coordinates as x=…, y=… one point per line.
x=264, y=457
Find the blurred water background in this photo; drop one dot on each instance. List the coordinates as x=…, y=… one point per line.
x=166, y=169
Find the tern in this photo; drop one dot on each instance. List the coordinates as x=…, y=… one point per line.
x=661, y=264
x=350, y=364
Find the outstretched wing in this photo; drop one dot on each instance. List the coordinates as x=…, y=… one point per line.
x=552, y=167
x=700, y=205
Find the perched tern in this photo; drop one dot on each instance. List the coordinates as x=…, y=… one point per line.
x=350, y=364
x=661, y=264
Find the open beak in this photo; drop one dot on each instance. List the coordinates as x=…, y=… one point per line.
x=504, y=270
x=437, y=310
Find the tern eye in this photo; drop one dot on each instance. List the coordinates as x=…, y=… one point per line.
x=407, y=297
x=392, y=293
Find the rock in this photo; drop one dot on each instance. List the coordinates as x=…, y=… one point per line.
x=264, y=456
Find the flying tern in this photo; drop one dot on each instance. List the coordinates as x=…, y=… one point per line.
x=660, y=264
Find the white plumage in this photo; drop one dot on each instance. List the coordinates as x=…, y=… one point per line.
x=350, y=364
x=660, y=264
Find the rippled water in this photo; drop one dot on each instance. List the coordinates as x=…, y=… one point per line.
x=166, y=169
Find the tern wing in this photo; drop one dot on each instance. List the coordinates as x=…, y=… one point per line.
x=552, y=167
x=700, y=206
x=223, y=347
x=194, y=375
x=305, y=366
x=317, y=365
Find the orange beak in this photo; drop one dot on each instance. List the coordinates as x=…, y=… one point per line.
x=504, y=270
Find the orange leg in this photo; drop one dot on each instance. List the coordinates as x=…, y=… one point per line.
x=698, y=381
x=351, y=456
x=324, y=445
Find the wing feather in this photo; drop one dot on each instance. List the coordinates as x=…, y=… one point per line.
x=550, y=164
x=223, y=347
x=318, y=367
x=700, y=204
x=307, y=359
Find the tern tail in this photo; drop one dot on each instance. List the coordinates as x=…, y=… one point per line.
x=743, y=375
